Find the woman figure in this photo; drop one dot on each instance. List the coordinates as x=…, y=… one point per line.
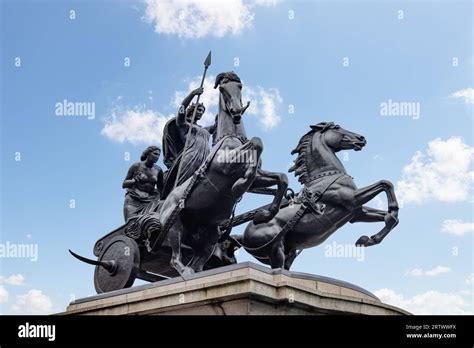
x=174, y=140
x=144, y=183
x=198, y=144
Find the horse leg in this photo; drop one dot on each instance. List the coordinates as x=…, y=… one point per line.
x=267, y=179
x=290, y=258
x=202, y=252
x=368, y=214
x=363, y=195
x=174, y=239
x=277, y=254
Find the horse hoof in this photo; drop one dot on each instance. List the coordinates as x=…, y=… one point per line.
x=362, y=241
x=186, y=271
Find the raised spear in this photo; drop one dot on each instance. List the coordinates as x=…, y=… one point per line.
x=207, y=63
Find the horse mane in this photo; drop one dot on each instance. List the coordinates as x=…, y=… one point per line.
x=300, y=163
x=299, y=166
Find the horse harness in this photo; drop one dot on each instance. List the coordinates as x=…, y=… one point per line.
x=309, y=201
x=181, y=203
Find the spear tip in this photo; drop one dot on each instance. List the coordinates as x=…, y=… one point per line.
x=207, y=62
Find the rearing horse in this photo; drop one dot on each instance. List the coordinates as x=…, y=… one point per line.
x=194, y=211
x=328, y=200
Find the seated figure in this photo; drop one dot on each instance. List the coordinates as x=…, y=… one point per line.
x=144, y=183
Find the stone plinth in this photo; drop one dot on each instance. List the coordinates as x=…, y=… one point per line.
x=241, y=289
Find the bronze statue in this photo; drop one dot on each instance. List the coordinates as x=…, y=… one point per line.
x=144, y=182
x=328, y=200
x=174, y=132
x=194, y=211
x=182, y=224
x=174, y=140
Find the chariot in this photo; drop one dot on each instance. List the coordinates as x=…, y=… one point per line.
x=123, y=257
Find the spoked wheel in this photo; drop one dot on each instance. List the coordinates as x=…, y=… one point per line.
x=120, y=260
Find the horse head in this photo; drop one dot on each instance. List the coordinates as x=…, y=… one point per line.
x=338, y=138
x=316, y=150
x=230, y=88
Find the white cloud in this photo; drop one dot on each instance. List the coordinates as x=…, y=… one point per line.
x=264, y=102
x=457, y=227
x=437, y=270
x=467, y=94
x=33, y=302
x=135, y=126
x=442, y=174
x=16, y=280
x=197, y=19
x=418, y=272
x=139, y=125
x=430, y=302
x=3, y=295
x=378, y=203
x=415, y=272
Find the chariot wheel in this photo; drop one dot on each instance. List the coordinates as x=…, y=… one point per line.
x=120, y=260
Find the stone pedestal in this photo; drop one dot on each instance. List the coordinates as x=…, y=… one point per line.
x=241, y=289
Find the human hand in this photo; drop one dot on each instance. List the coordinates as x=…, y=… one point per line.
x=139, y=177
x=198, y=91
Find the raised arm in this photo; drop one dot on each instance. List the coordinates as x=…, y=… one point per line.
x=181, y=119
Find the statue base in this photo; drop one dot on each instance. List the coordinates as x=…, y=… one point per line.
x=240, y=289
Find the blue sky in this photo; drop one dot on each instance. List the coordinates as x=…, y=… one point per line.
x=330, y=61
